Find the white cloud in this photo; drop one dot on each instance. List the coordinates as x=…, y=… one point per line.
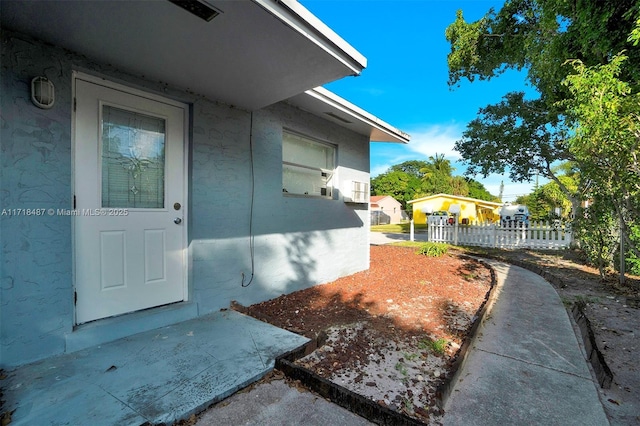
x=435, y=139
x=425, y=142
x=380, y=168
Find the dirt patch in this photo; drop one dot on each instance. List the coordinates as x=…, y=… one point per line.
x=401, y=305
x=393, y=331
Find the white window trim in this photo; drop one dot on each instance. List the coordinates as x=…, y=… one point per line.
x=330, y=173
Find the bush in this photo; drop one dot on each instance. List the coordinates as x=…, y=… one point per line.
x=433, y=249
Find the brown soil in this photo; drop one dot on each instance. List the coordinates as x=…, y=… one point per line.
x=381, y=323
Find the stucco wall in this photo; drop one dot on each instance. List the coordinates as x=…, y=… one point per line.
x=298, y=241
x=467, y=209
x=35, y=295
x=392, y=208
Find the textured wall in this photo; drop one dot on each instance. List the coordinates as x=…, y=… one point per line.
x=298, y=242
x=35, y=282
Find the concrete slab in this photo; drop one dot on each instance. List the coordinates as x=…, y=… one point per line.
x=525, y=365
x=529, y=323
x=277, y=404
x=379, y=238
x=157, y=376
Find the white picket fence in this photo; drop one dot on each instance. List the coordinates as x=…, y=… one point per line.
x=539, y=235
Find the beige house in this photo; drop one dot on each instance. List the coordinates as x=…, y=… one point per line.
x=388, y=206
x=471, y=209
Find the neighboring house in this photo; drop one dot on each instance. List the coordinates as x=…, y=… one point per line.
x=183, y=164
x=471, y=209
x=389, y=206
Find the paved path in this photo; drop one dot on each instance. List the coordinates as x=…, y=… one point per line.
x=158, y=376
x=525, y=366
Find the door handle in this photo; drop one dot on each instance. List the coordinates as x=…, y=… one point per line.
x=177, y=221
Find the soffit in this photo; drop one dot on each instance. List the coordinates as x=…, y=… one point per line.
x=323, y=103
x=253, y=54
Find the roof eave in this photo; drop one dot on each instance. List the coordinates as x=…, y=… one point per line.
x=379, y=130
x=300, y=19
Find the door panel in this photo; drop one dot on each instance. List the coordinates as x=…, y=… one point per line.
x=113, y=253
x=128, y=175
x=154, y=255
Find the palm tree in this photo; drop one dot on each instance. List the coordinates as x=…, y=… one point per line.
x=437, y=174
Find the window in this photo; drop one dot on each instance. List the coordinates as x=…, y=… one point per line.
x=133, y=162
x=307, y=166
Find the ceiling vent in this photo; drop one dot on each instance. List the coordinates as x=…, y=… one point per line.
x=198, y=8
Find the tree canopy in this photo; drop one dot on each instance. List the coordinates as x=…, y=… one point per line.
x=583, y=60
x=526, y=136
x=414, y=179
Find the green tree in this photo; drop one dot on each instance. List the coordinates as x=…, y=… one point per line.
x=524, y=137
x=414, y=179
x=411, y=167
x=459, y=186
x=478, y=191
x=400, y=185
x=605, y=113
x=436, y=175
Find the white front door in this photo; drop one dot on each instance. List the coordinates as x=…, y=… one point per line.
x=129, y=200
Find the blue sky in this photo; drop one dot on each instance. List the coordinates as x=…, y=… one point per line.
x=405, y=82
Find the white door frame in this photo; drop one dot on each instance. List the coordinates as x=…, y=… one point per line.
x=151, y=96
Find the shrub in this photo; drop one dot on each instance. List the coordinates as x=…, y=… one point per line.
x=433, y=249
x=438, y=346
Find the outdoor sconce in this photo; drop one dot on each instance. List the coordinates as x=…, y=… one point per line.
x=43, y=93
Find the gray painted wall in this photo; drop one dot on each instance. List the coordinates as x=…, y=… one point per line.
x=298, y=242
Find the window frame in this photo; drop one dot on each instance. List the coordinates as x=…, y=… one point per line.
x=327, y=174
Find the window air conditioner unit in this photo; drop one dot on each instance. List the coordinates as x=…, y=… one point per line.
x=356, y=192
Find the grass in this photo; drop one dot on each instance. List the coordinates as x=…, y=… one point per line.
x=433, y=249
x=586, y=300
x=470, y=276
x=428, y=249
x=399, y=228
x=437, y=346
x=410, y=357
x=416, y=244
x=408, y=405
x=401, y=368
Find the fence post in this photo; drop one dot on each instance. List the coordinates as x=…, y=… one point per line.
x=455, y=230
x=411, y=230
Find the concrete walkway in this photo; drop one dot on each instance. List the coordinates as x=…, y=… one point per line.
x=157, y=376
x=380, y=238
x=525, y=365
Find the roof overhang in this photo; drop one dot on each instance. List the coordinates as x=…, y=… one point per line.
x=323, y=103
x=252, y=54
